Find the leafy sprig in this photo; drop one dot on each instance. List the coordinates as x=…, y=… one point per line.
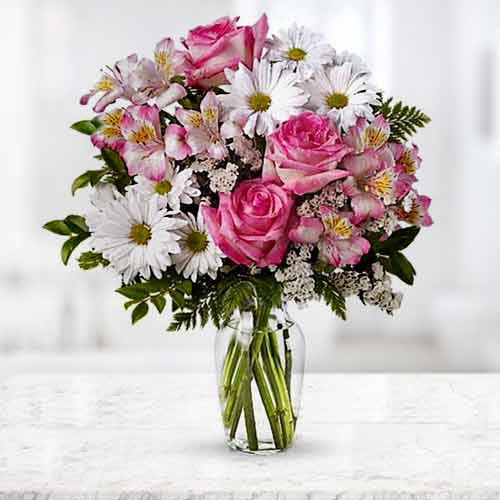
x=73, y=226
x=404, y=120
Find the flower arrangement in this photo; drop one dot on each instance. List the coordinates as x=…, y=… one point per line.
x=240, y=172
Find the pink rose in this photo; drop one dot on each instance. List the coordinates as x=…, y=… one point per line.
x=251, y=224
x=303, y=153
x=214, y=47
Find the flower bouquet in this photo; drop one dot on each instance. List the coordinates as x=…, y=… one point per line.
x=238, y=173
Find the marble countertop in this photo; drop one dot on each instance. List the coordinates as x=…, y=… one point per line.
x=159, y=437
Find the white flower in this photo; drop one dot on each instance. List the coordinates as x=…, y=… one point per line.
x=198, y=254
x=358, y=65
x=301, y=50
x=102, y=195
x=264, y=97
x=223, y=180
x=136, y=236
x=175, y=188
x=341, y=94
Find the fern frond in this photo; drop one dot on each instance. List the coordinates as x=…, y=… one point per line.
x=404, y=120
x=330, y=295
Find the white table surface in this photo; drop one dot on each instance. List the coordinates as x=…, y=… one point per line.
x=157, y=437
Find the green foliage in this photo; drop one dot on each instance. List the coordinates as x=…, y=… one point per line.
x=404, y=120
x=90, y=177
x=330, y=295
x=219, y=301
x=87, y=127
x=91, y=260
x=400, y=266
x=398, y=241
x=154, y=292
x=73, y=226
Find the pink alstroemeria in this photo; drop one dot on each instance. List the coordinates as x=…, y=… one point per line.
x=175, y=142
x=144, y=151
x=372, y=181
x=114, y=84
x=417, y=213
x=407, y=163
x=337, y=237
x=154, y=79
x=109, y=133
x=203, y=134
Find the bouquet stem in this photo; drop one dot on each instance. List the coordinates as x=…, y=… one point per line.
x=256, y=362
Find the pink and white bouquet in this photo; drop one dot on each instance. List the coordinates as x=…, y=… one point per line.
x=241, y=171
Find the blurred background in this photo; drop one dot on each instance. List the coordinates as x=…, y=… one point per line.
x=441, y=56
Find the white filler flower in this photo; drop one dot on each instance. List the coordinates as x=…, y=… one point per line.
x=136, y=236
x=301, y=50
x=198, y=255
x=341, y=94
x=264, y=97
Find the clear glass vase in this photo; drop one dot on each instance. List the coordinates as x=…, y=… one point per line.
x=259, y=376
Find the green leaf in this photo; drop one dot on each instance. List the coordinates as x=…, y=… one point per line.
x=113, y=160
x=80, y=182
x=399, y=240
x=139, y=312
x=58, y=227
x=129, y=303
x=86, y=127
x=185, y=286
x=133, y=292
x=178, y=298
x=70, y=245
x=400, y=266
x=159, y=302
x=330, y=295
x=90, y=260
x=77, y=224
x=96, y=122
x=95, y=176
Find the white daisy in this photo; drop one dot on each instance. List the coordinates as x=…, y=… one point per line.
x=136, y=236
x=341, y=94
x=265, y=96
x=358, y=65
x=175, y=188
x=198, y=254
x=301, y=50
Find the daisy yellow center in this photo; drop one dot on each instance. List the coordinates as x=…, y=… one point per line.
x=337, y=100
x=143, y=134
x=140, y=234
x=296, y=54
x=163, y=187
x=197, y=241
x=338, y=226
x=259, y=102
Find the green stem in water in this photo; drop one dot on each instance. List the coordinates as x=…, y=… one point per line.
x=230, y=363
x=277, y=381
x=246, y=396
x=267, y=401
x=288, y=365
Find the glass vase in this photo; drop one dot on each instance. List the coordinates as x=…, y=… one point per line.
x=259, y=376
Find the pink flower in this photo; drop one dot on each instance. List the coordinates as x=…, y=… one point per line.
x=118, y=83
x=417, y=214
x=337, y=237
x=203, y=135
x=372, y=181
x=109, y=134
x=144, y=150
x=407, y=163
x=304, y=152
x=153, y=79
x=175, y=142
x=220, y=45
x=251, y=224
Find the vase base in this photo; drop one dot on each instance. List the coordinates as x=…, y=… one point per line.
x=264, y=447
